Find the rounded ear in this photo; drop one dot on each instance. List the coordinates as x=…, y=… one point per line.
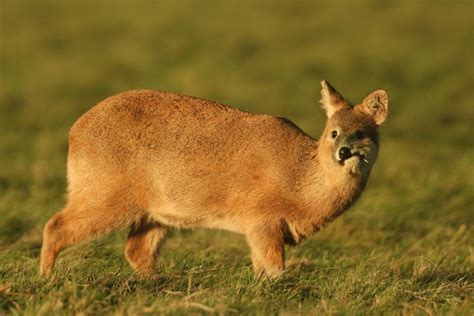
x=376, y=105
x=331, y=100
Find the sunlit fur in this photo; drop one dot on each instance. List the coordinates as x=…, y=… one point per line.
x=153, y=160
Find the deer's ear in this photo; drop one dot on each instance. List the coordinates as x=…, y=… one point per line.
x=331, y=100
x=376, y=105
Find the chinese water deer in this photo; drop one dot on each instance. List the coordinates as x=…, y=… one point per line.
x=154, y=160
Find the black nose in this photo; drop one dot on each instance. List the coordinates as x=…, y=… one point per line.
x=345, y=153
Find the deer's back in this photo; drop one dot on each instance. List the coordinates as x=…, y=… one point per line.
x=192, y=150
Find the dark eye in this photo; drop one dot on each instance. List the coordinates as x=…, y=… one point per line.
x=333, y=134
x=360, y=134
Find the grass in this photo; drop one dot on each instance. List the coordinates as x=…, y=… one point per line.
x=407, y=247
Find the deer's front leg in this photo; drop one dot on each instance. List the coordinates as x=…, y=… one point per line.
x=266, y=244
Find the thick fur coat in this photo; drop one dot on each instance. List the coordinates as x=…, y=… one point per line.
x=154, y=160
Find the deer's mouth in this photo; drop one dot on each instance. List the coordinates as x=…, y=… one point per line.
x=361, y=156
x=354, y=155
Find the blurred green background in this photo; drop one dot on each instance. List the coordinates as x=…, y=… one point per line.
x=405, y=247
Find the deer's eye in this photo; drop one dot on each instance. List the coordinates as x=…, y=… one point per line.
x=333, y=134
x=360, y=134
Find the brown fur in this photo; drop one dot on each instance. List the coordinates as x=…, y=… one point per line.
x=153, y=160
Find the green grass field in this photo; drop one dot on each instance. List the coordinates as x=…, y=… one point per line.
x=406, y=247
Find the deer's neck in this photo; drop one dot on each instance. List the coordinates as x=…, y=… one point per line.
x=329, y=191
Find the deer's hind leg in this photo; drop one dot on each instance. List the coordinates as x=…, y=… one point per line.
x=267, y=248
x=144, y=241
x=78, y=222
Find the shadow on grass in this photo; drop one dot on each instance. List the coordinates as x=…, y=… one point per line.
x=13, y=229
x=441, y=276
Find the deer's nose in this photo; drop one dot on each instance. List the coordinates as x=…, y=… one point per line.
x=345, y=153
